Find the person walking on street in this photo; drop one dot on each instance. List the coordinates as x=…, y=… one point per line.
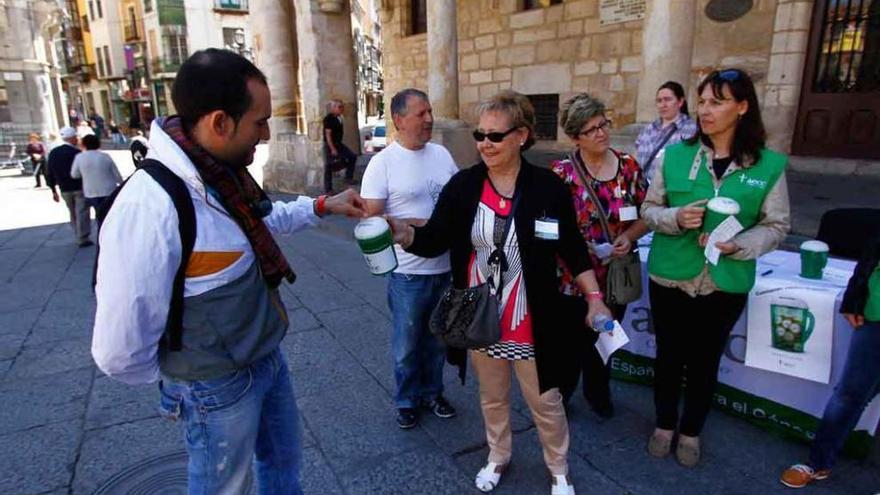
x=404, y=180
x=336, y=154
x=84, y=128
x=36, y=151
x=617, y=188
x=58, y=174
x=860, y=381
x=695, y=303
x=97, y=171
x=116, y=134
x=207, y=326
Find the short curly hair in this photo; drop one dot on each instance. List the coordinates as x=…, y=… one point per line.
x=579, y=110
x=517, y=106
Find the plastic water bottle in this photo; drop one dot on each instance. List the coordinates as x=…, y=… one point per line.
x=603, y=323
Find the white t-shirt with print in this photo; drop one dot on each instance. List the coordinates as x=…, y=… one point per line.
x=410, y=182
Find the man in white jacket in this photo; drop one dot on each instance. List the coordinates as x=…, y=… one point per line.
x=226, y=379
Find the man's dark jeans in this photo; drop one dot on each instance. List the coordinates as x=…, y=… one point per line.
x=858, y=384
x=345, y=159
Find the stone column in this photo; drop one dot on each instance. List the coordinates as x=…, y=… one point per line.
x=443, y=58
x=327, y=71
x=276, y=55
x=443, y=82
x=668, y=42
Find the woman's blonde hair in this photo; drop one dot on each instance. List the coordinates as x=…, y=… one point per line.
x=516, y=106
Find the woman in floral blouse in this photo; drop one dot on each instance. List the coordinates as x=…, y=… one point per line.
x=620, y=186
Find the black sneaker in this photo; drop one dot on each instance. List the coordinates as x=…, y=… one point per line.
x=407, y=418
x=441, y=408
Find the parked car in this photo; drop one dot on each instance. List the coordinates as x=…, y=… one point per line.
x=377, y=139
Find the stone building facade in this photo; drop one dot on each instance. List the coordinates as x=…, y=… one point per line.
x=553, y=51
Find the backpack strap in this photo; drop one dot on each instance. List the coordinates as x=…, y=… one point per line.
x=186, y=215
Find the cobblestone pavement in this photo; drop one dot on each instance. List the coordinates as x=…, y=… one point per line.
x=66, y=429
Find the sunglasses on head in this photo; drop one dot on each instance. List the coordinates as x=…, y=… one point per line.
x=495, y=137
x=729, y=75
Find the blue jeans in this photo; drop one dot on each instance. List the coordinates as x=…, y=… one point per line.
x=859, y=384
x=248, y=418
x=418, y=355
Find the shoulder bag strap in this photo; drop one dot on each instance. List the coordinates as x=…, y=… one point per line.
x=580, y=168
x=666, y=138
x=498, y=255
x=179, y=193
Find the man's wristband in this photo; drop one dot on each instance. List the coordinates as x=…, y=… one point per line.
x=320, y=205
x=595, y=295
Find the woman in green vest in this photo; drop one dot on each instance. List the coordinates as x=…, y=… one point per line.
x=860, y=380
x=695, y=303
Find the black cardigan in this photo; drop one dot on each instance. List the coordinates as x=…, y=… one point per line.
x=555, y=317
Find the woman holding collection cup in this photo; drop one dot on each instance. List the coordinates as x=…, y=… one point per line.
x=722, y=180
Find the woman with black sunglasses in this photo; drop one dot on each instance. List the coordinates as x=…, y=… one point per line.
x=695, y=302
x=615, y=180
x=537, y=324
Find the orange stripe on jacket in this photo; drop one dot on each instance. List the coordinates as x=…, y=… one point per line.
x=203, y=263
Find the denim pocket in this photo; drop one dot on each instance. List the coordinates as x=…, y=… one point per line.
x=169, y=402
x=222, y=392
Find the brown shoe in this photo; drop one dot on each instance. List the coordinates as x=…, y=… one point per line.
x=659, y=445
x=799, y=475
x=688, y=451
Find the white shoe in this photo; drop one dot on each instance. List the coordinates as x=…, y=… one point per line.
x=489, y=477
x=561, y=485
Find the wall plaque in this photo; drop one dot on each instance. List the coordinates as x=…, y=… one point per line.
x=727, y=10
x=617, y=11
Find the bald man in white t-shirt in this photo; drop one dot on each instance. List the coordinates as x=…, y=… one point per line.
x=404, y=181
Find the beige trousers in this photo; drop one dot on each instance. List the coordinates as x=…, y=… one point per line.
x=547, y=411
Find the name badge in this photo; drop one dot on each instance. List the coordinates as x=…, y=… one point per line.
x=628, y=213
x=547, y=228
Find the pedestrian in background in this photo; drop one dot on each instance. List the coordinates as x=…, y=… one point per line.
x=404, y=181
x=487, y=217
x=695, y=303
x=617, y=182
x=860, y=381
x=673, y=125
x=116, y=134
x=36, y=151
x=98, y=173
x=337, y=155
x=58, y=174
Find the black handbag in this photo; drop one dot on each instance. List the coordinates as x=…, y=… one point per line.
x=623, y=282
x=468, y=318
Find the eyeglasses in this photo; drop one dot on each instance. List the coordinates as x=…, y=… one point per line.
x=591, y=132
x=495, y=137
x=729, y=75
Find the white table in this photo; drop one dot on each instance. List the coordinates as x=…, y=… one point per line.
x=772, y=400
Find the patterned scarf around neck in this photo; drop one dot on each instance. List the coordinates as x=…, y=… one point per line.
x=242, y=198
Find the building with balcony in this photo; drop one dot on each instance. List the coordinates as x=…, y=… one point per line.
x=29, y=80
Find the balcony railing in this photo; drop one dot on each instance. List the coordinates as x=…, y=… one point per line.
x=233, y=5
x=131, y=32
x=164, y=65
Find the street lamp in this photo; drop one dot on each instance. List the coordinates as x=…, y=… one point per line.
x=238, y=45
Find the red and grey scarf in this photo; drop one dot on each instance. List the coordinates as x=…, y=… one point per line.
x=242, y=198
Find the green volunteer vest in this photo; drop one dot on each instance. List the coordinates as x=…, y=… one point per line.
x=680, y=257
x=872, y=307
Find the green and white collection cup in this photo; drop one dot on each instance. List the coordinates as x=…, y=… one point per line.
x=373, y=235
x=814, y=257
x=718, y=209
x=791, y=324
